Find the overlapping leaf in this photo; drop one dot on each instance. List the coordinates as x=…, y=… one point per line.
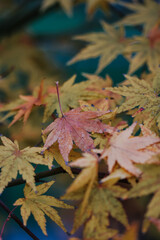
x=39, y=205
x=140, y=93
x=106, y=45
x=70, y=93
x=74, y=126
x=97, y=95
x=24, y=109
x=102, y=203
x=54, y=153
x=149, y=183
x=87, y=177
x=146, y=14
x=125, y=150
x=12, y=160
x=144, y=53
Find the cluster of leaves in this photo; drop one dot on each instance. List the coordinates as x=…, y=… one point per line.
x=85, y=129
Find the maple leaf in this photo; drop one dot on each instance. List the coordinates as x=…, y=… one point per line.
x=106, y=45
x=97, y=95
x=65, y=4
x=54, y=153
x=88, y=176
x=70, y=93
x=12, y=160
x=102, y=204
x=116, y=175
x=74, y=126
x=146, y=14
x=124, y=149
x=140, y=93
x=39, y=205
x=24, y=108
x=144, y=52
x=149, y=183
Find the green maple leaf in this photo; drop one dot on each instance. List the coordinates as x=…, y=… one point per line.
x=102, y=203
x=140, y=94
x=144, y=53
x=107, y=45
x=146, y=14
x=149, y=183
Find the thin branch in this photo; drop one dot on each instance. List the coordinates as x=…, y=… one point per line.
x=43, y=174
x=17, y=220
x=7, y=219
x=49, y=173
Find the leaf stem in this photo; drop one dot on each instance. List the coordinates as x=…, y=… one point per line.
x=17, y=220
x=57, y=88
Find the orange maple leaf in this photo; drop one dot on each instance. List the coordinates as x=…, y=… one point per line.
x=74, y=126
x=26, y=108
x=125, y=150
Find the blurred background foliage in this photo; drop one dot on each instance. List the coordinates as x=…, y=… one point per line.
x=36, y=42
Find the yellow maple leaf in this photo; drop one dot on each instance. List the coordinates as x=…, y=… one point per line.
x=12, y=160
x=107, y=45
x=54, y=153
x=88, y=176
x=39, y=205
x=145, y=52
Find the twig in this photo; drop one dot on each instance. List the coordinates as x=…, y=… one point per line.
x=17, y=220
x=49, y=173
x=43, y=174
x=7, y=219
